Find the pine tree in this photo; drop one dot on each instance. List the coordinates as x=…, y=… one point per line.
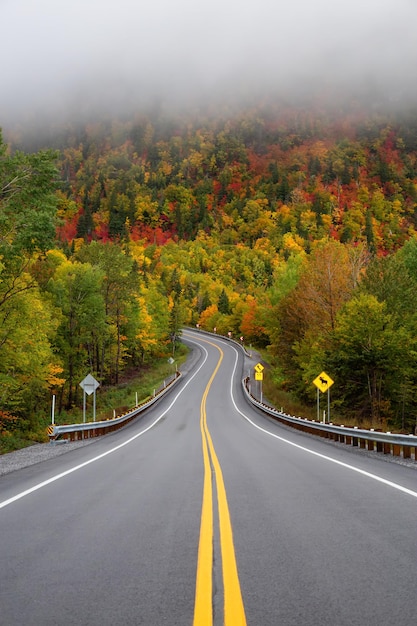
x=223, y=304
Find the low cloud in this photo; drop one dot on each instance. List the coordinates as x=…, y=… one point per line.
x=98, y=55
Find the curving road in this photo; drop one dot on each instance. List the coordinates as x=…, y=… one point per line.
x=204, y=512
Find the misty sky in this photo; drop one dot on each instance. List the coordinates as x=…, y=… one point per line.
x=59, y=56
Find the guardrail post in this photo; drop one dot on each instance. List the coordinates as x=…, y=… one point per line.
x=406, y=452
x=396, y=449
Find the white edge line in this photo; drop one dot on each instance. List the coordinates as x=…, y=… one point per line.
x=27, y=492
x=384, y=481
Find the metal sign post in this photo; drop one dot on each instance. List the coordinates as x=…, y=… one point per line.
x=328, y=406
x=259, y=368
x=89, y=386
x=323, y=383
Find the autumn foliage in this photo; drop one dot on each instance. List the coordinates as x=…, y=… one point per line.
x=295, y=230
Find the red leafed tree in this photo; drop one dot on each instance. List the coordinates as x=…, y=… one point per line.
x=252, y=326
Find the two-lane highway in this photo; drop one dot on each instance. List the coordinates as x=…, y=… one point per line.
x=205, y=512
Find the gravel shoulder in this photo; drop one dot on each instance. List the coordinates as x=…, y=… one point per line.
x=36, y=454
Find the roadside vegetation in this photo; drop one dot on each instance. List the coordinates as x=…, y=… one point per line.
x=296, y=230
x=110, y=400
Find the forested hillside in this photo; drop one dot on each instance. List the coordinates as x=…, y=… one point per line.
x=292, y=228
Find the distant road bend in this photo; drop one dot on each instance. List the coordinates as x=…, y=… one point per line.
x=204, y=512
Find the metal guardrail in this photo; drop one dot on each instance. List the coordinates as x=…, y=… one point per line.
x=86, y=430
x=387, y=443
x=96, y=429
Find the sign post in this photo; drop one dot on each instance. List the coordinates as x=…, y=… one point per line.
x=89, y=386
x=259, y=368
x=323, y=383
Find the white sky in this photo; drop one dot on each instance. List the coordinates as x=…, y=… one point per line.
x=55, y=53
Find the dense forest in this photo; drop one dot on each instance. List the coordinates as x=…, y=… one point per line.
x=292, y=228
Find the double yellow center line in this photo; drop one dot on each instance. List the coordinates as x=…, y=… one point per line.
x=234, y=612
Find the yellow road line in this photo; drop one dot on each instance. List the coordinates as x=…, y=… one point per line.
x=203, y=607
x=234, y=612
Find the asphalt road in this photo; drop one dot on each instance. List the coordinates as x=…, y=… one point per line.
x=205, y=512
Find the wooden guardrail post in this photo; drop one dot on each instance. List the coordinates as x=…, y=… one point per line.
x=407, y=452
x=396, y=449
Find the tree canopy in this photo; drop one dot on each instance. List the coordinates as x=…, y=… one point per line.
x=293, y=229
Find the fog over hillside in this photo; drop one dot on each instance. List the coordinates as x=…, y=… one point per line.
x=63, y=60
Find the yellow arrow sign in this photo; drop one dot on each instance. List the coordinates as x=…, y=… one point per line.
x=259, y=368
x=323, y=382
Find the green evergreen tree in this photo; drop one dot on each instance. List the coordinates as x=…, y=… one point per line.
x=223, y=304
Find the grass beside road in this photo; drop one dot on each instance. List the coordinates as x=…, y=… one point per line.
x=279, y=398
x=282, y=399
x=119, y=399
